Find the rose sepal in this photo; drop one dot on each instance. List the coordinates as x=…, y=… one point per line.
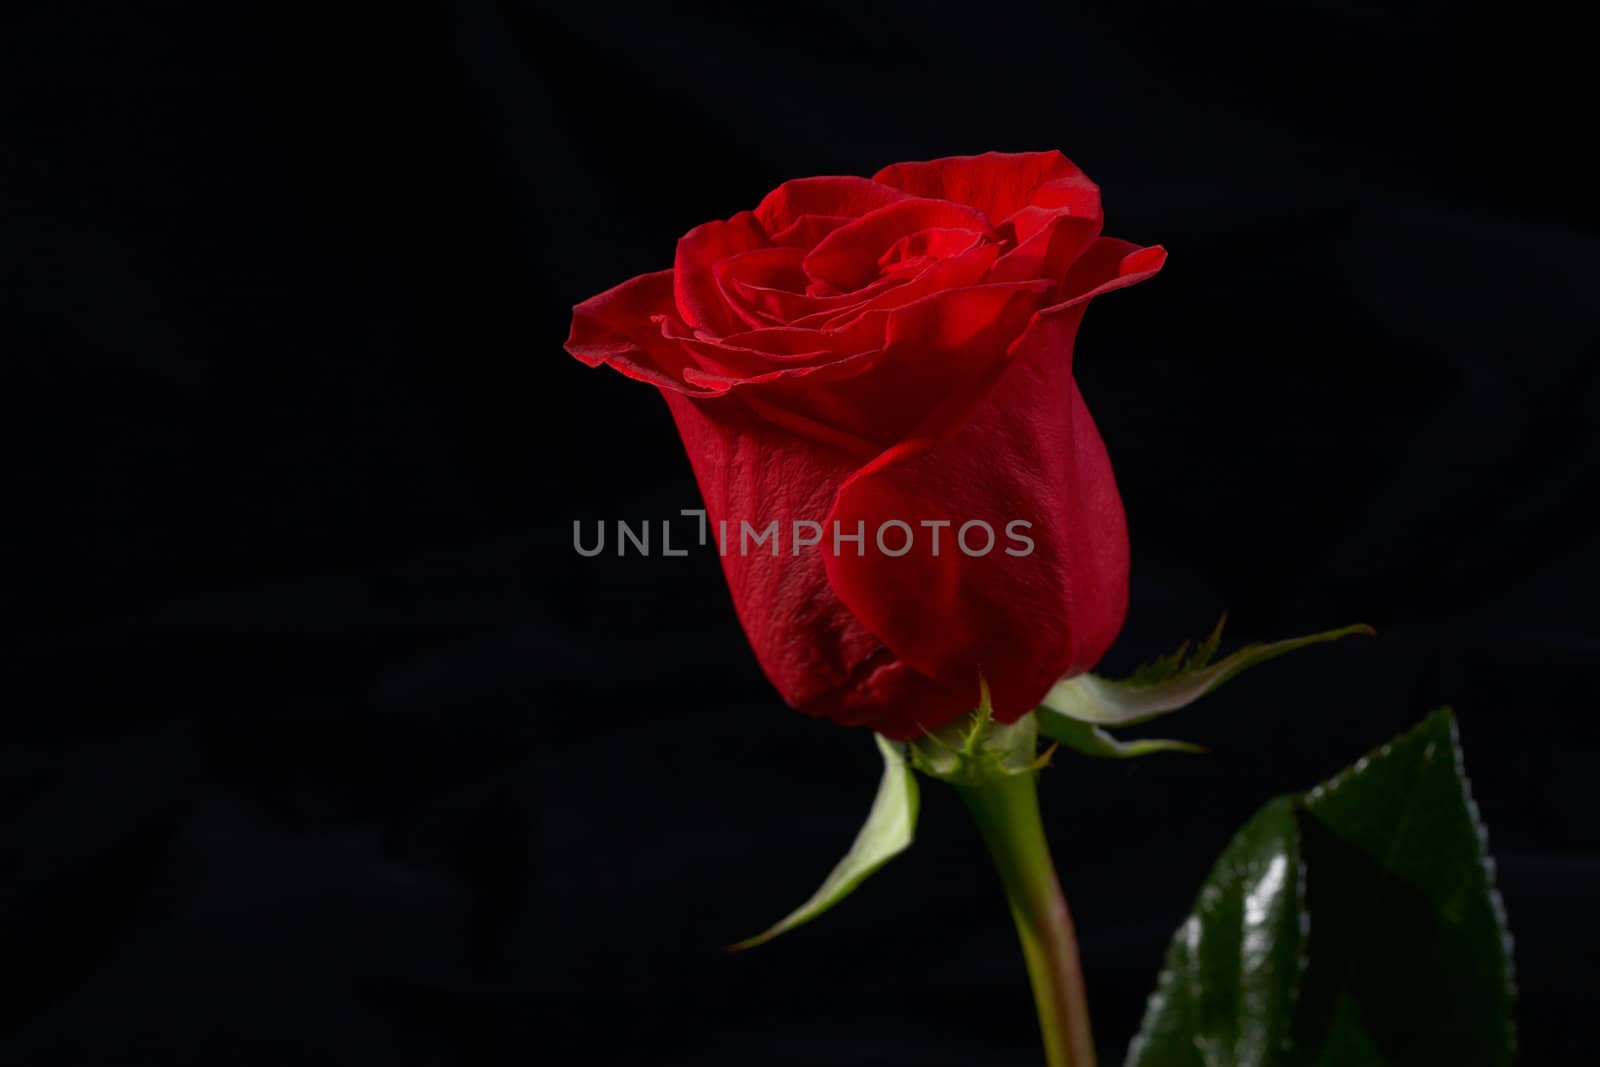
x=1090, y=740
x=1077, y=710
x=977, y=750
x=891, y=824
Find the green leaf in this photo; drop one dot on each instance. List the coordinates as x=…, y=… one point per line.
x=1226, y=993
x=1168, y=684
x=1091, y=740
x=887, y=832
x=1409, y=956
x=1405, y=959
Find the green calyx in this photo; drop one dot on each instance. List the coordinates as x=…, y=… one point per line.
x=977, y=750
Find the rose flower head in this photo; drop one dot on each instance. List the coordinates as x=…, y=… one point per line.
x=874, y=376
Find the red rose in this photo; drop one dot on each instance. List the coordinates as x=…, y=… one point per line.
x=896, y=353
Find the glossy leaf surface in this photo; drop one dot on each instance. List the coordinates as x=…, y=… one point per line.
x=1403, y=953
x=1409, y=956
x=1226, y=994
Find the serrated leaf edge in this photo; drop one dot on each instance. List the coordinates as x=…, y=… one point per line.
x=1158, y=997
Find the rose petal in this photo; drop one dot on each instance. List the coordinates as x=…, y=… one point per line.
x=931, y=348
x=1049, y=241
x=700, y=301
x=970, y=268
x=804, y=309
x=1026, y=450
x=840, y=197
x=848, y=258
x=891, y=697
x=775, y=348
x=1110, y=264
x=743, y=478
x=1029, y=453
x=807, y=230
x=995, y=183
x=621, y=327
x=1074, y=193
x=741, y=279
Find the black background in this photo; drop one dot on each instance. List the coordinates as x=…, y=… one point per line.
x=321, y=743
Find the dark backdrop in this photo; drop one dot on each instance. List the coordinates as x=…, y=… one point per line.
x=323, y=746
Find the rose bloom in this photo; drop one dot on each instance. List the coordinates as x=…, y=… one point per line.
x=856, y=351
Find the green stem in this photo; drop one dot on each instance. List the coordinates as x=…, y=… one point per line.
x=1006, y=810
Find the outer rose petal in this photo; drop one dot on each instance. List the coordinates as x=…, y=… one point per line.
x=1027, y=451
x=1109, y=263
x=996, y=183
x=837, y=197
x=812, y=648
x=621, y=327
